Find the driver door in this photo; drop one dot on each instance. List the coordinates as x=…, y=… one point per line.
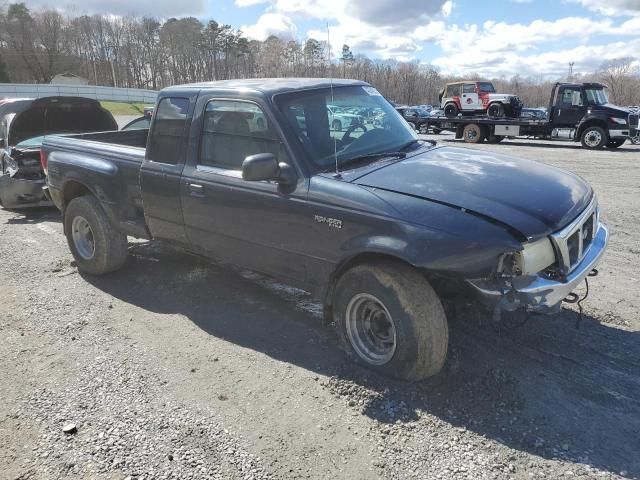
x=570, y=109
x=470, y=99
x=256, y=225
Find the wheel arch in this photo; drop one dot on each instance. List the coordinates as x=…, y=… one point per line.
x=370, y=257
x=591, y=122
x=74, y=188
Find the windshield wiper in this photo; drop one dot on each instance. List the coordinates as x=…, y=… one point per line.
x=371, y=156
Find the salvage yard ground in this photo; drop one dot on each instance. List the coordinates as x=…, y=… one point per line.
x=175, y=368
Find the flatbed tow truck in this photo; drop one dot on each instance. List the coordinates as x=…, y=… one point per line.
x=577, y=111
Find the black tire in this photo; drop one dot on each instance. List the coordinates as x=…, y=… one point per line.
x=615, y=142
x=260, y=123
x=436, y=130
x=109, y=245
x=421, y=334
x=495, y=110
x=413, y=126
x=450, y=110
x=495, y=138
x=337, y=125
x=594, y=138
x=472, y=133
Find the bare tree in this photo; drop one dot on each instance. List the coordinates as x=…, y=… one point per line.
x=621, y=76
x=145, y=52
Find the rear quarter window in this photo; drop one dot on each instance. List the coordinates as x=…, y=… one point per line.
x=168, y=131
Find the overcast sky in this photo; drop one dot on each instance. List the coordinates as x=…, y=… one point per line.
x=492, y=38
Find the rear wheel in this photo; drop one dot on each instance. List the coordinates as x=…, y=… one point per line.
x=615, y=142
x=412, y=125
x=391, y=320
x=594, y=138
x=337, y=125
x=96, y=246
x=495, y=110
x=472, y=133
x=450, y=110
x=436, y=130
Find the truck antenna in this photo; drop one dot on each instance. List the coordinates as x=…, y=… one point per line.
x=335, y=142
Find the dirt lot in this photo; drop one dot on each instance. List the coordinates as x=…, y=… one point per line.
x=175, y=368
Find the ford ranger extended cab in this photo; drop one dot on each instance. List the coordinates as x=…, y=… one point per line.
x=381, y=226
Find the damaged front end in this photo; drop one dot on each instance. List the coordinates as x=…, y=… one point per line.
x=545, y=272
x=22, y=181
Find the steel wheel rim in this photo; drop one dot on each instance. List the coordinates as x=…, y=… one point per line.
x=593, y=138
x=83, y=238
x=472, y=134
x=371, y=329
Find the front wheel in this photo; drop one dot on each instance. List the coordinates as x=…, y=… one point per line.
x=391, y=320
x=495, y=110
x=97, y=247
x=594, y=138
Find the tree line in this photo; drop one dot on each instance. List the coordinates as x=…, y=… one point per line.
x=144, y=52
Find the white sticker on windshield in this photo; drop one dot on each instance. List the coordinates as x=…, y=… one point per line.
x=372, y=91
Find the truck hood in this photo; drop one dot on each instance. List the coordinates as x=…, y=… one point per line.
x=611, y=109
x=530, y=197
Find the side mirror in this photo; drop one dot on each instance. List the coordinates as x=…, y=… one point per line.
x=262, y=166
x=265, y=166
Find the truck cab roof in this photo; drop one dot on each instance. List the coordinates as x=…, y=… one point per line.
x=266, y=86
x=581, y=85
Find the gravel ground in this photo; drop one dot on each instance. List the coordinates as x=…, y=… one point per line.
x=176, y=368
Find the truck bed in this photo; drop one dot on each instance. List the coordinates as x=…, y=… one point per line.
x=117, y=154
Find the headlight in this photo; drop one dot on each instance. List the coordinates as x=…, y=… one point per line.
x=619, y=121
x=535, y=256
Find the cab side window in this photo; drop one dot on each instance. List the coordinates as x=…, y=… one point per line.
x=232, y=131
x=469, y=88
x=571, y=96
x=453, y=90
x=167, y=135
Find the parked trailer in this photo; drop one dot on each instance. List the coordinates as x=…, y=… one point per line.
x=578, y=112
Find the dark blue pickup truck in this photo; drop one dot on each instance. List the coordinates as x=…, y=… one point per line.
x=380, y=225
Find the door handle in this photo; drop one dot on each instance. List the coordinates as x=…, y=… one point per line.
x=196, y=189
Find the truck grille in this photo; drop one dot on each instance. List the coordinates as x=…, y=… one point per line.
x=572, y=242
x=633, y=122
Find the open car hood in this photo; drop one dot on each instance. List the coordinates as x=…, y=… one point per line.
x=530, y=197
x=49, y=115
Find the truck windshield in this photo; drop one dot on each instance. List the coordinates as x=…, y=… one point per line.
x=343, y=123
x=596, y=96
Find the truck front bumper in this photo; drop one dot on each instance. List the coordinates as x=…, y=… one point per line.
x=540, y=294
